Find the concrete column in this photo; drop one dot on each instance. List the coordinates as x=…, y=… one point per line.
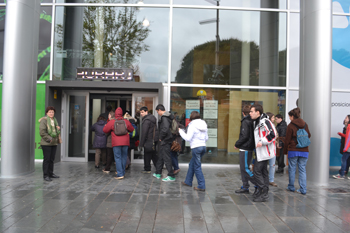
x=315, y=86
x=19, y=87
x=245, y=62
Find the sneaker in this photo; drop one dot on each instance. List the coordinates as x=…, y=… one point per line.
x=119, y=177
x=338, y=177
x=273, y=184
x=158, y=176
x=146, y=172
x=106, y=171
x=349, y=177
x=298, y=191
x=242, y=190
x=176, y=171
x=168, y=179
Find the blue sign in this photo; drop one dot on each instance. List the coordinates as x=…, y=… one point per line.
x=188, y=112
x=76, y=107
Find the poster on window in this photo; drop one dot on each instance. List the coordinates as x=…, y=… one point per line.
x=193, y=104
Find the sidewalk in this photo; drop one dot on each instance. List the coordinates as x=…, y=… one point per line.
x=85, y=199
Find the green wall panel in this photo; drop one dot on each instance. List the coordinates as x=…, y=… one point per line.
x=40, y=112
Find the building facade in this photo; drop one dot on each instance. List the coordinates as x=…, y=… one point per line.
x=205, y=55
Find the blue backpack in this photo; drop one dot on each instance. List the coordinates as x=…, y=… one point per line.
x=133, y=133
x=302, y=139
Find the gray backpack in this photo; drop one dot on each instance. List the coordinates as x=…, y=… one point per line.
x=120, y=127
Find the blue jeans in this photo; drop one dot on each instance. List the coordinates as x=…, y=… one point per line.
x=194, y=168
x=120, y=157
x=174, y=160
x=292, y=166
x=344, y=159
x=272, y=167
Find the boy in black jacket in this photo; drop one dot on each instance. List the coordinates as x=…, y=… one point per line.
x=246, y=145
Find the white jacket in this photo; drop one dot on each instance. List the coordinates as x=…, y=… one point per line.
x=197, y=133
x=265, y=132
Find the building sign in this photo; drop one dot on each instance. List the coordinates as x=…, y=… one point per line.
x=105, y=74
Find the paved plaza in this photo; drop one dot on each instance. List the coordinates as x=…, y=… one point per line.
x=85, y=199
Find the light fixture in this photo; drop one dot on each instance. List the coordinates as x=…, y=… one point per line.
x=145, y=22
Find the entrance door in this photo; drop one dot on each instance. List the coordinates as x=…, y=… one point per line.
x=139, y=100
x=75, y=126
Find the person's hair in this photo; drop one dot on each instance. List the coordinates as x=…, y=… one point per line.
x=258, y=108
x=160, y=107
x=112, y=114
x=144, y=108
x=195, y=115
x=101, y=117
x=279, y=116
x=50, y=108
x=246, y=109
x=109, y=108
x=295, y=113
x=270, y=114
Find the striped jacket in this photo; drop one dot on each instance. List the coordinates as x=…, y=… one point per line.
x=265, y=132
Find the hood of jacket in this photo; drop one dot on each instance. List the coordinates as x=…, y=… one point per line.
x=150, y=117
x=168, y=115
x=299, y=122
x=43, y=118
x=101, y=122
x=118, y=112
x=200, y=125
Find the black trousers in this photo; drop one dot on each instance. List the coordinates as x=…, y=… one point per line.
x=245, y=158
x=110, y=158
x=148, y=156
x=49, y=158
x=280, y=159
x=164, y=158
x=260, y=176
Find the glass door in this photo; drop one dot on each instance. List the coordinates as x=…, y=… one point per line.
x=75, y=110
x=150, y=100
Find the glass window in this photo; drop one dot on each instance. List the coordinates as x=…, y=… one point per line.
x=2, y=38
x=275, y=4
x=140, y=2
x=44, y=49
x=228, y=47
x=222, y=110
x=294, y=4
x=341, y=6
x=112, y=37
x=294, y=50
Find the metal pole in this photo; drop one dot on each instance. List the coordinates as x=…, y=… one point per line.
x=19, y=87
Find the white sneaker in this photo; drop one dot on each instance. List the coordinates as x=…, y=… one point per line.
x=349, y=177
x=338, y=177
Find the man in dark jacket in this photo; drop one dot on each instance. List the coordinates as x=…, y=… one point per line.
x=245, y=144
x=165, y=140
x=149, y=135
x=281, y=130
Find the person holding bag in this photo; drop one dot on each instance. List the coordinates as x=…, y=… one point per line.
x=197, y=135
x=50, y=138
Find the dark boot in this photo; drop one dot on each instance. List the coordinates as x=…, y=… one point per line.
x=256, y=192
x=242, y=190
x=263, y=196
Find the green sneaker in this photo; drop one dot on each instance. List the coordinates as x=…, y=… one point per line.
x=168, y=179
x=158, y=176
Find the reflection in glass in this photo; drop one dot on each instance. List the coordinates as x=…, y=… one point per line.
x=112, y=37
x=277, y=4
x=77, y=120
x=44, y=49
x=294, y=50
x=222, y=110
x=139, y=2
x=252, y=51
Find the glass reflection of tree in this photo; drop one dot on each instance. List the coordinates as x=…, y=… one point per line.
x=117, y=33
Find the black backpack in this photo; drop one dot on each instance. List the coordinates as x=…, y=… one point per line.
x=120, y=127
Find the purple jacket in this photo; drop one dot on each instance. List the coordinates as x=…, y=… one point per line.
x=100, y=139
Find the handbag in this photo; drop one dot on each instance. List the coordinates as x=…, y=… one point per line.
x=175, y=146
x=59, y=139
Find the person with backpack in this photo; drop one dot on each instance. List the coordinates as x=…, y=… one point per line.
x=119, y=128
x=296, y=145
x=165, y=141
x=344, y=149
x=149, y=139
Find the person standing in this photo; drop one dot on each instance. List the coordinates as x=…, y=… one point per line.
x=245, y=144
x=109, y=148
x=100, y=140
x=272, y=161
x=344, y=149
x=165, y=140
x=49, y=132
x=264, y=137
x=197, y=135
x=281, y=130
x=120, y=142
x=149, y=138
x=297, y=154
